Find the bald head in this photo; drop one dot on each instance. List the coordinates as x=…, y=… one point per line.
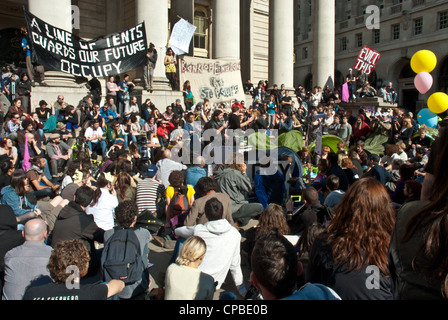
x=167, y=154
x=199, y=160
x=35, y=230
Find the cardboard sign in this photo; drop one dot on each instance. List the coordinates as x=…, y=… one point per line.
x=367, y=60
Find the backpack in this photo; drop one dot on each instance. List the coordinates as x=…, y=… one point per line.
x=179, y=207
x=121, y=258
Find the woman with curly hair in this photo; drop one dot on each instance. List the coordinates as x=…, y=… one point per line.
x=271, y=219
x=71, y=256
x=351, y=256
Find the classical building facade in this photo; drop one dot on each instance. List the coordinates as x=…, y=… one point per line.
x=241, y=29
x=405, y=27
x=291, y=42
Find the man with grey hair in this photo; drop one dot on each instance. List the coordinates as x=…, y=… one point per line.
x=26, y=265
x=166, y=166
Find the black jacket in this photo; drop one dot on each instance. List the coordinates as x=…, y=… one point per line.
x=349, y=285
x=74, y=223
x=410, y=285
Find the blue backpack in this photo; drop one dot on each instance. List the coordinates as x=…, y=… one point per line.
x=121, y=258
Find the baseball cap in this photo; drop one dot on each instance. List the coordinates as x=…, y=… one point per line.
x=152, y=171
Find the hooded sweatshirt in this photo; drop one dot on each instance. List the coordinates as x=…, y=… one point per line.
x=223, y=249
x=234, y=183
x=73, y=223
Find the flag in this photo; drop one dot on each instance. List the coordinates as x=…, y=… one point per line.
x=26, y=157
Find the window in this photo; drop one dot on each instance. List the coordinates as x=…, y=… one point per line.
x=305, y=53
x=200, y=35
x=376, y=36
x=344, y=44
x=418, y=26
x=348, y=15
x=443, y=20
x=359, y=39
x=395, y=32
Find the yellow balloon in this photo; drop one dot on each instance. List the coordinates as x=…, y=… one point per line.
x=438, y=102
x=423, y=61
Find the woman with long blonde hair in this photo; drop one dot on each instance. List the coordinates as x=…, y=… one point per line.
x=355, y=245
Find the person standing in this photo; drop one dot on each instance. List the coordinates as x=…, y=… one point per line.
x=151, y=60
x=33, y=71
x=351, y=81
x=170, y=68
x=23, y=90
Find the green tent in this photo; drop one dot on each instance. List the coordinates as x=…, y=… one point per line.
x=260, y=141
x=292, y=140
x=328, y=141
x=375, y=144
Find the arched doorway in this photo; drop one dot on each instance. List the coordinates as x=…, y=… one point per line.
x=11, y=44
x=308, y=83
x=443, y=77
x=408, y=94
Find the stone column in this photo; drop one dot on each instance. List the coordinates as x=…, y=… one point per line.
x=281, y=43
x=226, y=29
x=155, y=15
x=323, y=43
x=59, y=14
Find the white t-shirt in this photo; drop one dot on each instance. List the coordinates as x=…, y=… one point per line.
x=103, y=212
x=90, y=133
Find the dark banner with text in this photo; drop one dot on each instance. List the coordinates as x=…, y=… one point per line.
x=59, y=50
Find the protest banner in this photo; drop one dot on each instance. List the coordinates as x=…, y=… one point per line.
x=181, y=36
x=367, y=60
x=59, y=50
x=216, y=80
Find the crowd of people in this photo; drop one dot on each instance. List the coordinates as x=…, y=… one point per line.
x=77, y=176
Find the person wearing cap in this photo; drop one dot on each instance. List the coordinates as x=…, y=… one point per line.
x=237, y=103
x=58, y=152
x=150, y=191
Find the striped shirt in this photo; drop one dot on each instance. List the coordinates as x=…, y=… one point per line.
x=149, y=192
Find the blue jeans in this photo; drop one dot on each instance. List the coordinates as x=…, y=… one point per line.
x=100, y=145
x=176, y=251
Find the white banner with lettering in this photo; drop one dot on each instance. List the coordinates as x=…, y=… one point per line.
x=217, y=80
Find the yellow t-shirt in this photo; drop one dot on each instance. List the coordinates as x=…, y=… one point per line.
x=190, y=193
